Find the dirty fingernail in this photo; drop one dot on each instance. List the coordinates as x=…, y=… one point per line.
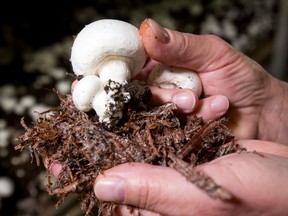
x=160, y=33
x=185, y=101
x=110, y=189
x=220, y=105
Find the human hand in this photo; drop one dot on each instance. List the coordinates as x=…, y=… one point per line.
x=227, y=75
x=258, y=181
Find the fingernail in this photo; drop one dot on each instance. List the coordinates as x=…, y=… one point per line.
x=185, y=101
x=110, y=189
x=160, y=33
x=220, y=105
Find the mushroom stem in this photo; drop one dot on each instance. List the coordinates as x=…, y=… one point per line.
x=109, y=104
x=116, y=69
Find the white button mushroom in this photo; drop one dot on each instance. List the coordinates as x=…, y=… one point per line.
x=113, y=50
x=85, y=91
x=109, y=48
x=170, y=77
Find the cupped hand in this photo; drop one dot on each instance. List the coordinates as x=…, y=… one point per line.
x=257, y=180
x=227, y=75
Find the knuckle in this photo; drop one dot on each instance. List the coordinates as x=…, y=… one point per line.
x=149, y=194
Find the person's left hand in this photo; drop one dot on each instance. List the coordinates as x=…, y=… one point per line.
x=258, y=181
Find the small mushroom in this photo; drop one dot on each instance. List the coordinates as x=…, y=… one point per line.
x=112, y=51
x=170, y=77
x=85, y=91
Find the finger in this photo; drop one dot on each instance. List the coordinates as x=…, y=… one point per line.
x=196, y=52
x=186, y=100
x=264, y=147
x=212, y=107
x=154, y=188
x=55, y=168
x=125, y=211
x=74, y=83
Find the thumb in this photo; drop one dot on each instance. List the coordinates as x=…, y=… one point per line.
x=153, y=188
x=197, y=52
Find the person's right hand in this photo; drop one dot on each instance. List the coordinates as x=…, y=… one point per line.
x=257, y=100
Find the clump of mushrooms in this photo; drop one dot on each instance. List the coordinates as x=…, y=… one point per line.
x=107, y=53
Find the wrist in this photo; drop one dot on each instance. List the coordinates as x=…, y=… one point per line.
x=273, y=124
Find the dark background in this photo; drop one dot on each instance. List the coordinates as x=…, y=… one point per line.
x=35, y=42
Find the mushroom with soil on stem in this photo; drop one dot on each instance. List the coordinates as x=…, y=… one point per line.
x=170, y=77
x=113, y=51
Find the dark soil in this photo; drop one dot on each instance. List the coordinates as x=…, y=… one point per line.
x=154, y=135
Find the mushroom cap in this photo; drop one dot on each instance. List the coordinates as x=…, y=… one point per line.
x=103, y=40
x=171, y=77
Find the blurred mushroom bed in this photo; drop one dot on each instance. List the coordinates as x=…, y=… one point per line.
x=35, y=43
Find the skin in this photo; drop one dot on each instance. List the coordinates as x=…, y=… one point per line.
x=255, y=103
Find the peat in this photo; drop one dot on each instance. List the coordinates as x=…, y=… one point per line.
x=155, y=135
